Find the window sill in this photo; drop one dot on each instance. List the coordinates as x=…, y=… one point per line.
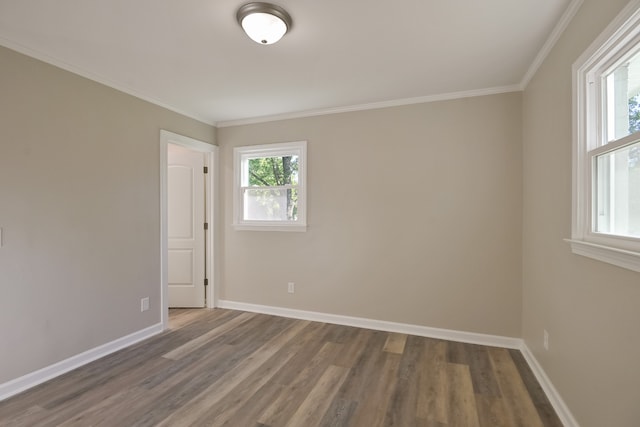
x=269, y=227
x=619, y=257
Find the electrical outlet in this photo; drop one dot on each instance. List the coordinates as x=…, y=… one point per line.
x=546, y=340
x=292, y=287
x=144, y=304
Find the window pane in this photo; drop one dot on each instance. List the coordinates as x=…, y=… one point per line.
x=623, y=109
x=270, y=204
x=618, y=191
x=272, y=171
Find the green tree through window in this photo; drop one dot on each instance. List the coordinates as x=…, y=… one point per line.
x=634, y=126
x=275, y=172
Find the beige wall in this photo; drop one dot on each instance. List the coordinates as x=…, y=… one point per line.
x=590, y=309
x=79, y=209
x=414, y=216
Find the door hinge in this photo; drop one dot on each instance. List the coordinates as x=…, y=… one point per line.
x=206, y=282
x=206, y=225
x=206, y=169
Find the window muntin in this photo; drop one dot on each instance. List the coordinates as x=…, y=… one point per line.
x=270, y=188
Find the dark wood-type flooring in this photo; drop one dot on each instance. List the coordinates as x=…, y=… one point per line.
x=231, y=368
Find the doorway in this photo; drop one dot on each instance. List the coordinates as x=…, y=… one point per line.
x=187, y=212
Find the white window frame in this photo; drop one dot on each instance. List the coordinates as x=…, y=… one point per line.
x=619, y=38
x=240, y=156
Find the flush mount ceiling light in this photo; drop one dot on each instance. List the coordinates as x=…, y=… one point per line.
x=264, y=23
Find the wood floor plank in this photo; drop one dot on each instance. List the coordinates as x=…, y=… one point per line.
x=341, y=334
x=482, y=375
x=253, y=330
x=458, y=353
x=548, y=415
x=186, y=378
x=308, y=352
x=372, y=407
x=97, y=395
x=68, y=388
x=403, y=402
x=235, y=369
x=224, y=410
x=198, y=342
x=217, y=358
x=179, y=317
x=462, y=402
x=100, y=415
x=353, y=350
x=178, y=390
x=528, y=378
x=369, y=378
x=517, y=401
x=220, y=413
x=63, y=389
x=77, y=383
x=539, y=399
x=313, y=408
x=363, y=372
x=24, y=418
x=433, y=386
x=188, y=414
x=491, y=411
x=395, y=343
x=339, y=413
x=255, y=405
x=291, y=397
x=173, y=391
x=421, y=422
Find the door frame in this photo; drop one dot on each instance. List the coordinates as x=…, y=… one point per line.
x=211, y=206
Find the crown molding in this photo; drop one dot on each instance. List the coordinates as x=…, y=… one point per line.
x=553, y=38
x=370, y=106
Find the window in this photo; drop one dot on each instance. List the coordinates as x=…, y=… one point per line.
x=606, y=152
x=270, y=187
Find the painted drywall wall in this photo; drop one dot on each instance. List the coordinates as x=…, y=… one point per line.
x=79, y=209
x=589, y=308
x=414, y=216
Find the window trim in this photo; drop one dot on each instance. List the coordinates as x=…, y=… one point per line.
x=588, y=128
x=298, y=148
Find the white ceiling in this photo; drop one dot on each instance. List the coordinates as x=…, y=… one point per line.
x=192, y=56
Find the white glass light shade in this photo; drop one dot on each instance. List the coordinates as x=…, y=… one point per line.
x=264, y=23
x=264, y=28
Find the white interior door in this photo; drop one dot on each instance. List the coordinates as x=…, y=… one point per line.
x=185, y=221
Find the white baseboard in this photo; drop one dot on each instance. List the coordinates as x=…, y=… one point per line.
x=380, y=325
x=558, y=404
x=32, y=379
